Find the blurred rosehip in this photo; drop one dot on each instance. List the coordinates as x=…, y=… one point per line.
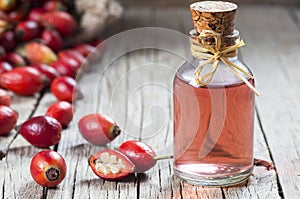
x=5, y=98
x=8, y=40
x=14, y=59
x=52, y=39
x=27, y=30
x=54, y=5
x=62, y=21
x=50, y=72
x=5, y=66
x=35, y=14
x=7, y=5
x=37, y=53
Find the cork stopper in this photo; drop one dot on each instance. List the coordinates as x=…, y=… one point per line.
x=214, y=15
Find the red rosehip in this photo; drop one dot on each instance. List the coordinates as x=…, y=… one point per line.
x=5, y=66
x=62, y=111
x=53, y=5
x=8, y=119
x=52, y=39
x=111, y=165
x=62, y=21
x=8, y=40
x=35, y=14
x=84, y=48
x=19, y=13
x=141, y=154
x=48, y=168
x=72, y=53
x=14, y=59
x=22, y=80
x=37, y=53
x=27, y=30
x=65, y=88
x=41, y=131
x=66, y=67
x=5, y=98
x=98, y=129
x=50, y=72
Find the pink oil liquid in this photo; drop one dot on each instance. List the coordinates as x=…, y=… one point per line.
x=213, y=133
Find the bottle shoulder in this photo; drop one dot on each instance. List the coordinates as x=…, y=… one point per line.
x=222, y=77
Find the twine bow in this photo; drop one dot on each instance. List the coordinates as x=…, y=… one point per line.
x=214, y=54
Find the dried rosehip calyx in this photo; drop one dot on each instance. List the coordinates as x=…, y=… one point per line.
x=111, y=165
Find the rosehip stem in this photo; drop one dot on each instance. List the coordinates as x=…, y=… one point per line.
x=163, y=157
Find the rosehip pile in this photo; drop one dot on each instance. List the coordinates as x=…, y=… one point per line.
x=33, y=58
x=32, y=34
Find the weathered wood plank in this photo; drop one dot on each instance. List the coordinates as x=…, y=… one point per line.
x=272, y=51
x=15, y=179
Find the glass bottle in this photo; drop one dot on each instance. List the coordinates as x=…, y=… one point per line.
x=213, y=124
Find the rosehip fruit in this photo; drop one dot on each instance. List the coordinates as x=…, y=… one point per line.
x=19, y=13
x=35, y=14
x=52, y=39
x=66, y=66
x=37, y=53
x=22, y=80
x=27, y=30
x=8, y=119
x=48, y=168
x=41, y=131
x=5, y=98
x=111, y=165
x=53, y=5
x=62, y=21
x=50, y=72
x=8, y=40
x=98, y=129
x=5, y=66
x=62, y=111
x=141, y=154
x=84, y=48
x=65, y=88
x=72, y=53
x=7, y=5
x=14, y=59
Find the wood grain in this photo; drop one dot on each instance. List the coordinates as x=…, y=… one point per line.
x=132, y=83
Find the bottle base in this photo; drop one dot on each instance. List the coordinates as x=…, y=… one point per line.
x=214, y=179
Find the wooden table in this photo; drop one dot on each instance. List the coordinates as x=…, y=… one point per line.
x=135, y=88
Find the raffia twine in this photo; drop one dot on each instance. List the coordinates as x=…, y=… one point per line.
x=214, y=54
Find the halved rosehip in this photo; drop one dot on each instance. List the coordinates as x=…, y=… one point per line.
x=41, y=131
x=8, y=119
x=111, y=165
x=48, y=168
x=98, y=129
x=141, y=154
x=62, y=111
